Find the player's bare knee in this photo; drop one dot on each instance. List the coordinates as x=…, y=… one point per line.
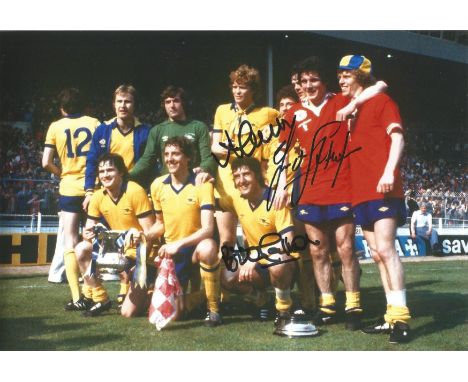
x=83, y=250
x=207, y=251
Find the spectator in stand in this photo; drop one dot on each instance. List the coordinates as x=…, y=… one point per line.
x=421, y=225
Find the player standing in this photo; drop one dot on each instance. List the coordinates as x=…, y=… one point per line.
x=377, y=191
x=70, y=137
x=174, y=103
x=124, y=135
x=324, y=197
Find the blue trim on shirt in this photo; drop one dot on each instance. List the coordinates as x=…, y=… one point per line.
x=207, y=207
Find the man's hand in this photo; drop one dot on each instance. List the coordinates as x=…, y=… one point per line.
x=88, y=234
x=202, y=176
x=86, y=201
x=281, y=199
x=246, y=271
x=170, y=249
x=346, y=112
x=386, y=183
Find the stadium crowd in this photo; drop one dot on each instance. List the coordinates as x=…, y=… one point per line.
x=432, y=166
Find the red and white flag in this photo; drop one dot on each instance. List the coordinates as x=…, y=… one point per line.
x=163, y=306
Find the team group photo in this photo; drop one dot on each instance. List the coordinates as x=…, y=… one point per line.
x=233, y=191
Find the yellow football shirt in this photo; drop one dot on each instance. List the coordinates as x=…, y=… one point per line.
x=228, y=120
x=260, y=226
x=124, y=213
x=122, y=144
x=71, y=138
x=181, y=208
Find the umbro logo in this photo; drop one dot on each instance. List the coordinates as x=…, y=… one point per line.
x=102, y=142
x=383, y=209
x=344, y=208
x=303, y=212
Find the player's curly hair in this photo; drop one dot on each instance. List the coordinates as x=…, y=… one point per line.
x=115, y=160
x=71, y=101
x=253, y=164
x=249, y=76
x=184, y=145
x=364, y=79
x=286, y=92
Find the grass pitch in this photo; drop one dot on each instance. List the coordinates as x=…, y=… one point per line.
x=32, y=318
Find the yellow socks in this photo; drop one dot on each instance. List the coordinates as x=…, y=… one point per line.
x=327, y=303
x=73, y=273
x=210, y=274
x=100, y=294
x=283, y=300
x=87, y=291
x=353, y=301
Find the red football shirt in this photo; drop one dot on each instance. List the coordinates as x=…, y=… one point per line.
x=325, y=168
x=369, y=131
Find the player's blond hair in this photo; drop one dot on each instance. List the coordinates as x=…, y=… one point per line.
x=246, y=75
x=126, y=89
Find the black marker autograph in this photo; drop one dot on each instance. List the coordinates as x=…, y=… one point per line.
x=233, y=257
x=321, y=153
x=243, y=140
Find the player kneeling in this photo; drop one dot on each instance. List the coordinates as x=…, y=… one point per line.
x=187, y=212
x=266, y=259
x=125, y=206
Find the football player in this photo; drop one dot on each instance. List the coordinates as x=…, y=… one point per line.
x=70, y=138
x=186, y=211
x=324, y=196
x=377, y=193
x=124, y=135
x=125, y=206
x=263, y=259
x=178, y=124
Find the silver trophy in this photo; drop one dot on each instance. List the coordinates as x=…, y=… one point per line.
x=296, y=326
x=111, y=254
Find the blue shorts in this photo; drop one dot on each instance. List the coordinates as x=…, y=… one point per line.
x=71, y=204
x=367, y=213
x=315, y=214
x=183, y=265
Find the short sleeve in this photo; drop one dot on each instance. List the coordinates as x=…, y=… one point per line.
x=51, y=139
x=206, y=196
x=390, y=116
x=155, y=192
x=93, y=209
x=283, y=221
